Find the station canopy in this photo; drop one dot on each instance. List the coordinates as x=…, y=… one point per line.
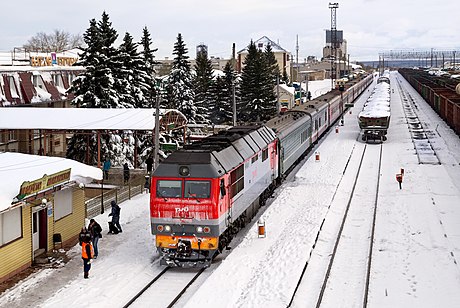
x=86, y=118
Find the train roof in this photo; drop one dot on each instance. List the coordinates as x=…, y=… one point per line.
x=221, y=152
x=378, y=103
x=287, y=122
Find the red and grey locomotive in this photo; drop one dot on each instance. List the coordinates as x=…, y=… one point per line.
x=203, y=194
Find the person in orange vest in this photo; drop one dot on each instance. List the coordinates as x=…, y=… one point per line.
x=87, y=254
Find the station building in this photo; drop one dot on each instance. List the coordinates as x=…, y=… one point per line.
x=39, y=213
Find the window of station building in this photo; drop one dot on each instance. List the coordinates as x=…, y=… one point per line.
x=35, y=80
x=197, y=189
x=63, y=204
x=169, y=188
x=13, y=89
x=254, y=158
x=57, y=80
x=10, y=225
x=236, y=181
x=264, y=154
x=12, y=135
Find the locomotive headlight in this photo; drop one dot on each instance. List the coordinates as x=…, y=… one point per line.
x=206, y=229
x=199, y=229
x=160, y=228
x=184, y=170
x=167, y=228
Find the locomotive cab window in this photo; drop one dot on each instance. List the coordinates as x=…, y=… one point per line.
x=264, y=154
x=169, y=188
x=197, y=189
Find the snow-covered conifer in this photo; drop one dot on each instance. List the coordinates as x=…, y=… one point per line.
x=180, y=93
x=203, y=84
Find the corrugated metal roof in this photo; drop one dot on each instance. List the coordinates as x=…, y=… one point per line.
x=77, y=118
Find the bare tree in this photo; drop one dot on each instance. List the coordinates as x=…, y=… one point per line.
x=57, y=41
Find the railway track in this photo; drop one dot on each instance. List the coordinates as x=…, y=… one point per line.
x=165, y=289
x=419, y=134
x=350, y=268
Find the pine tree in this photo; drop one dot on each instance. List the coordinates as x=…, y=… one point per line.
x=223, y=95
x=106, y=70
x=253, y=80
x=77, y=148
x=203, y=84
x=272, y=64
x=84, y=85
x=258, y=99
x=285, y=77
x=272, y=78
x=180, y=94
x=96, y=87
x=150, y=91
x=131, y=76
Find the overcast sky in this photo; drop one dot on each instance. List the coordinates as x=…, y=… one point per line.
x=369, y=26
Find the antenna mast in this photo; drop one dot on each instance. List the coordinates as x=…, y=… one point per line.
x=334, y=44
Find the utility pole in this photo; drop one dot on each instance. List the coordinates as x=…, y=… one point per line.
x=277, y=94
x=333, y=7
x=234, y=103
x=157, y=132
x=297, y=57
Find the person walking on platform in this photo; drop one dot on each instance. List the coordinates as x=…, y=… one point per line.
x=87, y=254
x=115, y=215
x=96, y=233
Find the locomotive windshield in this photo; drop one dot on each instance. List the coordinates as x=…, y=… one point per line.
x=169, y=188
x=197, y=189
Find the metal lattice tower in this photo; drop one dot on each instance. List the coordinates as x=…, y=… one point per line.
x=334, y=45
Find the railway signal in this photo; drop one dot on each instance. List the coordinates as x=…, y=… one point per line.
x=399, y=178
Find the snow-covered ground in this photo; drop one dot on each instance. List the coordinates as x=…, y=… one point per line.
x=416, y=246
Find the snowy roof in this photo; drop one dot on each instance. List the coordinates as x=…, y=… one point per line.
x=262, y=43
x=287, y=88
x=78, y=118
x=16, y=168
x=378, y=103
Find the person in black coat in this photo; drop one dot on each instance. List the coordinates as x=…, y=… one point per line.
x=126, y=172
x=149, y=163
x=96, y=233
x=115, y=215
